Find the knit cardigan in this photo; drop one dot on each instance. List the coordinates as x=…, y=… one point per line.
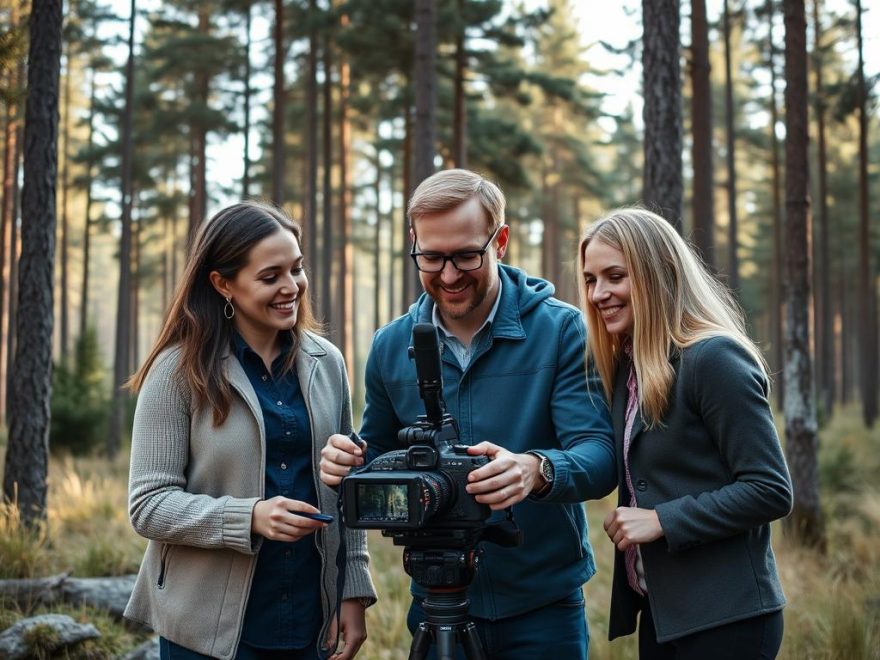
x=192, y=491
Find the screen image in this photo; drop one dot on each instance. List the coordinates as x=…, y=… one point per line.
x=383, y=502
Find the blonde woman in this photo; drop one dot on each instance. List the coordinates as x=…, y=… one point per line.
x=700, y=470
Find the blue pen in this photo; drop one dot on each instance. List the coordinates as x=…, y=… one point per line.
x=320, y=517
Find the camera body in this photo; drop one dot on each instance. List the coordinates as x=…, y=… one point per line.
x=420, y=490
x=422, y=486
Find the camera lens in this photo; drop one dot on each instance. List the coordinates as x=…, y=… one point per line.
x=436, y=495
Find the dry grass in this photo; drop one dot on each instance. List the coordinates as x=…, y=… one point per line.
x=834, y=600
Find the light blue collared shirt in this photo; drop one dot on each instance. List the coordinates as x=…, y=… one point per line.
x=462, y=352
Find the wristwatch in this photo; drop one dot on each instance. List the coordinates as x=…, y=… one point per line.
x=546, y=469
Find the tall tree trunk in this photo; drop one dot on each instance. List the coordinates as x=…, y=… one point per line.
x=135, y=291
x=425, y=90
x=7, y=222
x=867, y=325
x=848, y=338
x=824, y=306
x=459, y=117
x=425, y=82
x=701, y=120
x=199, y=193
x=345, y=253
x=27, y=453
x=246, y=177
x=65, y=228
x=732, y=224
x=14, y=252
x=777, y=308
x=278, y=98
x=392, y=225
x=662, y=110
x=87, y=222
x=311, y=139
x=121, y=366
x=326, y=304
x=377, y=242
x=410, y=283
x=802, y=442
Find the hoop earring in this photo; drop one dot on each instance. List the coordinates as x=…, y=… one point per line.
x=228, y=309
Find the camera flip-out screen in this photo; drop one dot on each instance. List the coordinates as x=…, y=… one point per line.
x=383, y=502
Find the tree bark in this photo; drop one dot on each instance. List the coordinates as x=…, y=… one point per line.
x=459, y=116
x=65, y=228
x=867, y=324
x=732, y=223
x=87, y=222
x=311, y=140
x=199, y=192
x=823, y=313
x=777, y=308
x=121, y=366
x=326, y=278
x=246, y=177
x=345, y=253
x=701, y=120
x=278, y=107
x=24, y=479
x=11, y=153
x=662, y=110
x=802, y=442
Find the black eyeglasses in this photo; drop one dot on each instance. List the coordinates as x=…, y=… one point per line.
x=431, y=262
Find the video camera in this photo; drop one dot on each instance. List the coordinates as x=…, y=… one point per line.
x=422, y=487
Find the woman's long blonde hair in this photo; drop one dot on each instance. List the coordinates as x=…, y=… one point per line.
x=675, y=302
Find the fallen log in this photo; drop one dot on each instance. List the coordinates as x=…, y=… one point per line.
x=104, y=593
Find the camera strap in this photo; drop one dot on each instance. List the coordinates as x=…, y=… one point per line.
x=341, y=554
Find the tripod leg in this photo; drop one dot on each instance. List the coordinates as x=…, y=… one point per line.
x=470, y=642
x=421, y=643
x=445, y=638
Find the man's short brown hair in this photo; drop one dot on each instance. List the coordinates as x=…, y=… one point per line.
x=448, y=189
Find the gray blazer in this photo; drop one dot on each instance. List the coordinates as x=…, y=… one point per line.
x=192, y=490
x=715, y=473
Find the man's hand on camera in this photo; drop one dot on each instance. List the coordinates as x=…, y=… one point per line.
x=508, y=478
x=338, y=456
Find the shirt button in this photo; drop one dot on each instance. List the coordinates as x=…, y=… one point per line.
x=287, y=433
x=642, y=485
x=284, y=466
x=265, y=377
x=280, y=403
x=284, y=492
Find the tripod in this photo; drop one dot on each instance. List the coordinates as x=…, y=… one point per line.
x=446, y=623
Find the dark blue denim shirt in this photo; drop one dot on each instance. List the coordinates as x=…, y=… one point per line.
x=284, y=608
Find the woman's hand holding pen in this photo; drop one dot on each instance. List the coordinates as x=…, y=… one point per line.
x=628, y=525
x=283, y=519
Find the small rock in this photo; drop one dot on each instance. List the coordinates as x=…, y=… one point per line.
x=14, y=643
x=149, y=650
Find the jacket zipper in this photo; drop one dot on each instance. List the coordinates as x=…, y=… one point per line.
x=163, y=565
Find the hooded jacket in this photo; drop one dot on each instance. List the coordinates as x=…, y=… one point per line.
x=192, y=491
x=525, y=388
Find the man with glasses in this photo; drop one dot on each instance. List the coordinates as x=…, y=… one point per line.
x=514, y=379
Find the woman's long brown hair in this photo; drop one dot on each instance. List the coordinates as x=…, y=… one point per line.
x=195, y=321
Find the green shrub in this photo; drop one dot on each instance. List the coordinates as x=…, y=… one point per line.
x=80, y=405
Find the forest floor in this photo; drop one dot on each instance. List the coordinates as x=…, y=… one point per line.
x=834, y=599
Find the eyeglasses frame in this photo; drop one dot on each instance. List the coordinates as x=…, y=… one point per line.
x=451, y=257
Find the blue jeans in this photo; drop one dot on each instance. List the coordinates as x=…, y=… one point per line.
x=170, y=651
x=558, y=630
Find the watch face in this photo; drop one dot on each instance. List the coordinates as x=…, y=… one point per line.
x=547, y=469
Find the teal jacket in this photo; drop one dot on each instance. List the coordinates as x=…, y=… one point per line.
x=525, y=389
